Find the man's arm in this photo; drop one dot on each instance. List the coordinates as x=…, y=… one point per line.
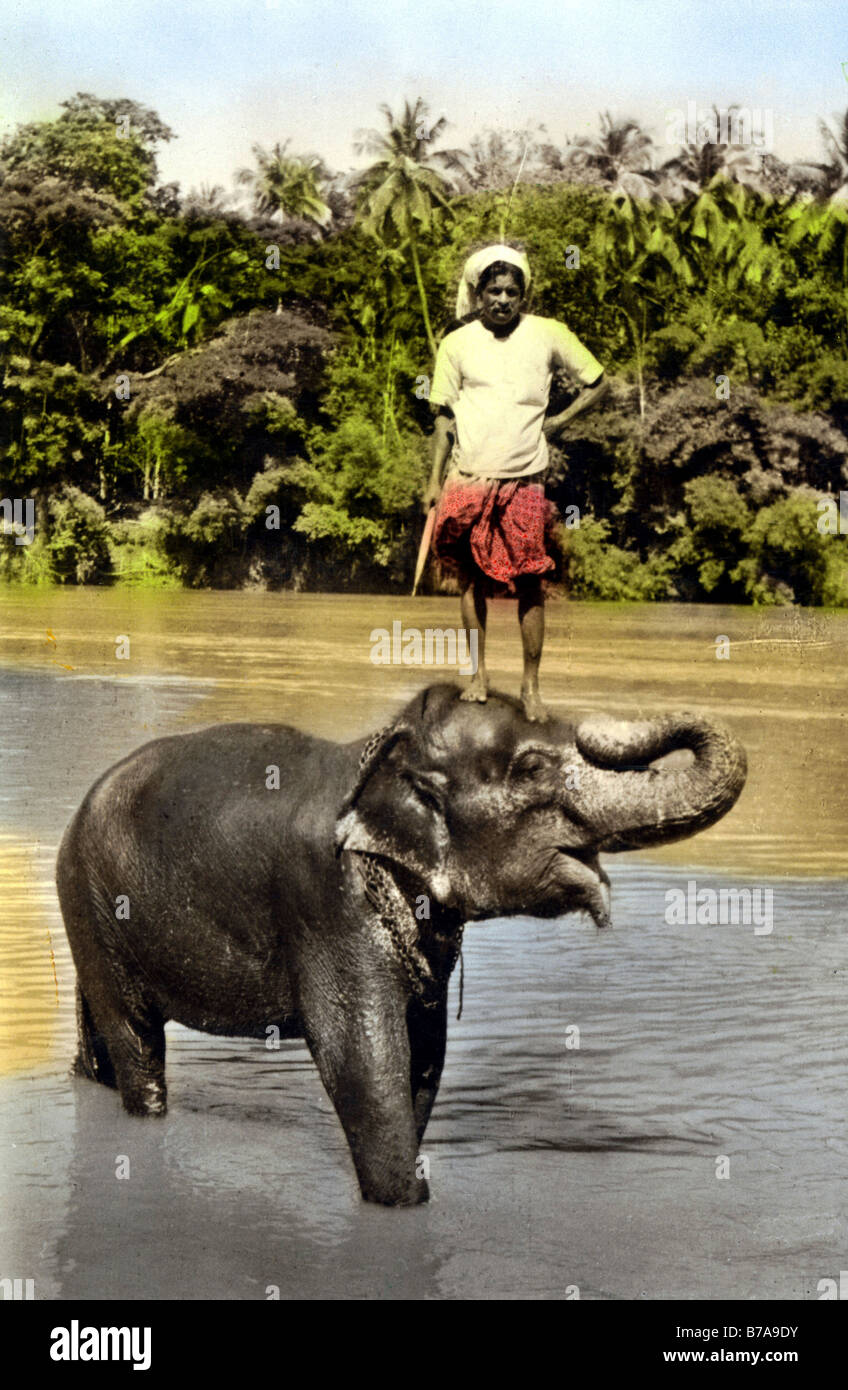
x=584, y=400
x=440, y=450
x=444, y=390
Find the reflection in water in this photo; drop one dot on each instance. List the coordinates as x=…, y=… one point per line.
x=550, y=1165
x=29, y=940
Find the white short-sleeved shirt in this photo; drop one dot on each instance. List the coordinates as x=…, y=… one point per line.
x=498, y=390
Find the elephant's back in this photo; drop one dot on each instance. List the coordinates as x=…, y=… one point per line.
x=220, y=844
x=232, y=794
x=222, y=761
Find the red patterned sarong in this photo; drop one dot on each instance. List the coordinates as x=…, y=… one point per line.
x=504, y=526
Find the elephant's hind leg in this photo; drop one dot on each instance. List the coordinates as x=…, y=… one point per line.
x=92, y=1059
x=123, y=1045
x=137, y=1047
x=121, y=1031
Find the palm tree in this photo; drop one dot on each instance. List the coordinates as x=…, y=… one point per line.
x=288, y=185
x=497, y=158
x=830, y=180
x=775, y=177
x=207, y=201
x=619, y=158
x=700, y=161
x=402, y=192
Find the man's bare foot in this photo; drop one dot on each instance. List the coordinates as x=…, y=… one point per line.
x=534, y=710
x=478, y=689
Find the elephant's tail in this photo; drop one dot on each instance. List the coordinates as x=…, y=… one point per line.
x=92, y=1059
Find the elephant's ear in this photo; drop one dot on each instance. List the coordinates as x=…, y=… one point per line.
x=394, y=808
x=378, y=746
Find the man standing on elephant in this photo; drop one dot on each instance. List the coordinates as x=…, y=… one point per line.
x=490, y=390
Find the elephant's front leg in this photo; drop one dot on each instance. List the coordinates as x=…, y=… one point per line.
x=362, y=1052
x=428, y=1030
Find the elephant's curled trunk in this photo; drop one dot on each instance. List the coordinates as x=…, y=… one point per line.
x=633, y=804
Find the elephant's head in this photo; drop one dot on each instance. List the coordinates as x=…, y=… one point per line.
x=490, y=815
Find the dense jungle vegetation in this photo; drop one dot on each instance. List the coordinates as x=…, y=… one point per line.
x=226, y=389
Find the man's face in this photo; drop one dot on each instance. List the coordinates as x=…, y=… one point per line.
x=500, y=302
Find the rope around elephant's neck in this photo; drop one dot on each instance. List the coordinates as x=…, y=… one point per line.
x=401, y=926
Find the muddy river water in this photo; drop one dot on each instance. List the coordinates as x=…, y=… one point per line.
x=693, y=1145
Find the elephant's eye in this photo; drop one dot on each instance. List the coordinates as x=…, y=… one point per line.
x=424, y=792
x=531, y=763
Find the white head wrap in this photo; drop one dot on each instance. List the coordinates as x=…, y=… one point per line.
x=466, y=298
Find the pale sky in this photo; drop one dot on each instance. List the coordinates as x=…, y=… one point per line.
x=225, y=74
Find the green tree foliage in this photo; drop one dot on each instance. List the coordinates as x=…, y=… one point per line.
x=363, y=494
x=597, y=568
x=50, y=428
x=78, y=541
x=715, y=522
x=193, y=394
x=106, y=146
x=790, y=560
x=71, y=544
x=228, y=402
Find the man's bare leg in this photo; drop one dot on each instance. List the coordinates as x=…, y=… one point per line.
x=531, y=616
x=473, y=609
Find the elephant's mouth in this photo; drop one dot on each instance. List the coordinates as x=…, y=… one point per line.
x=562, y=879
x=588, y=884
x=566, y=879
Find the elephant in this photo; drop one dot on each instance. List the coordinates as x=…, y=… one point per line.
x=250, y=876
